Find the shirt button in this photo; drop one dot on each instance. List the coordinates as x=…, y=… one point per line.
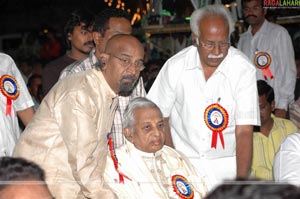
x=202, y=155
x=4, y=152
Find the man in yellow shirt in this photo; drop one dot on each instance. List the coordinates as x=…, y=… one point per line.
x=268, y=137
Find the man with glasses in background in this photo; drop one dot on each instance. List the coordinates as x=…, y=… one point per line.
x=207, y=93
x=108, y=23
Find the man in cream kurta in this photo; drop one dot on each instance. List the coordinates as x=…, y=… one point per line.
x=62, y=140
x=67, y=136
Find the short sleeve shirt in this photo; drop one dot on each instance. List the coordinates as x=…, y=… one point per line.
x=9, y=127
x=183, y=94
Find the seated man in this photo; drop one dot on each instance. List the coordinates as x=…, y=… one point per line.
x=271, y=133
x=144, y=167
x=20, y=178
x=287, y=160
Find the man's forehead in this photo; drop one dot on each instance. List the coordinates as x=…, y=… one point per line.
x=144, y=111
x=250, y=1
x=213, y=22
x=84, y=26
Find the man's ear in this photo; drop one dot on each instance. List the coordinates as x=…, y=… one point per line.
x=69, y=36
x=128, y=134
x=195, y=40
x=96, y=37
x=265, y=11
x=104, y=59
x=273, y=105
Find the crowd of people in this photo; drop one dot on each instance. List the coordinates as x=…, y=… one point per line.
x=209, y=122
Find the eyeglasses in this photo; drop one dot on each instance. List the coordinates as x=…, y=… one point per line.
x=208, y=45
x=254, y=8
x=126, y=62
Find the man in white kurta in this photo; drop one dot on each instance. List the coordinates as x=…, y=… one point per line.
x=143, y=167
x=9, y=126
x=150, y=174
x=191, y=99
x=182, y=94
x=265, y=41
x=286, y=166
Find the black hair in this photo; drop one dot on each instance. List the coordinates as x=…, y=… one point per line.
x=75, y=19
x=102, y=19
x=246, y=1
x=32, y=77
x=257, y=190
x=18, y=169
x=265, y=89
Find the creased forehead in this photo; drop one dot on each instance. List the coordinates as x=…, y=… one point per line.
x=122, y=40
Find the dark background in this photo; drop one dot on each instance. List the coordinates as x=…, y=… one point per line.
x=17, y=16
x=20, y=17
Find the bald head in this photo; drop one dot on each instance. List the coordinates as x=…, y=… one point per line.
x=123, y=61
x=121, y=41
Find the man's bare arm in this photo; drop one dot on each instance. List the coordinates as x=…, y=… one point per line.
x=281, y=113
x=244, y=146
x=26, y=115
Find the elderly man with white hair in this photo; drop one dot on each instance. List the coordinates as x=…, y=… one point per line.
x=207, y=92
x=144, y=167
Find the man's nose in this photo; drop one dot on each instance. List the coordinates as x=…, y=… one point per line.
x=216, y=50
x=132, y=69
x=158, y=131
x=90, y=36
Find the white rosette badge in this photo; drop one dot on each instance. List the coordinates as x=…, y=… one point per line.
x=181, y=188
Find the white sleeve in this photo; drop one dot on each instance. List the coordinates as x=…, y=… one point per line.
x=286, y=166
x=287, y=67
x=163, y=90
x=9, y=67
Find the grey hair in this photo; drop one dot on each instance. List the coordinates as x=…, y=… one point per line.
x=210, y=10
x=138, y=102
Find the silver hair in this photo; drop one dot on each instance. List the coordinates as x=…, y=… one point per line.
x=210, y=10
x=138, y=102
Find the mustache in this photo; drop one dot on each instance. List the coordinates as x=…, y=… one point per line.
x=130, y=77
x=215, y=56
x=88, y=43
x=251, y=16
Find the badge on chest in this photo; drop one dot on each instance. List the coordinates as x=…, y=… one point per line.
x=10, y=89
x=216, y=119
x=262, y=61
